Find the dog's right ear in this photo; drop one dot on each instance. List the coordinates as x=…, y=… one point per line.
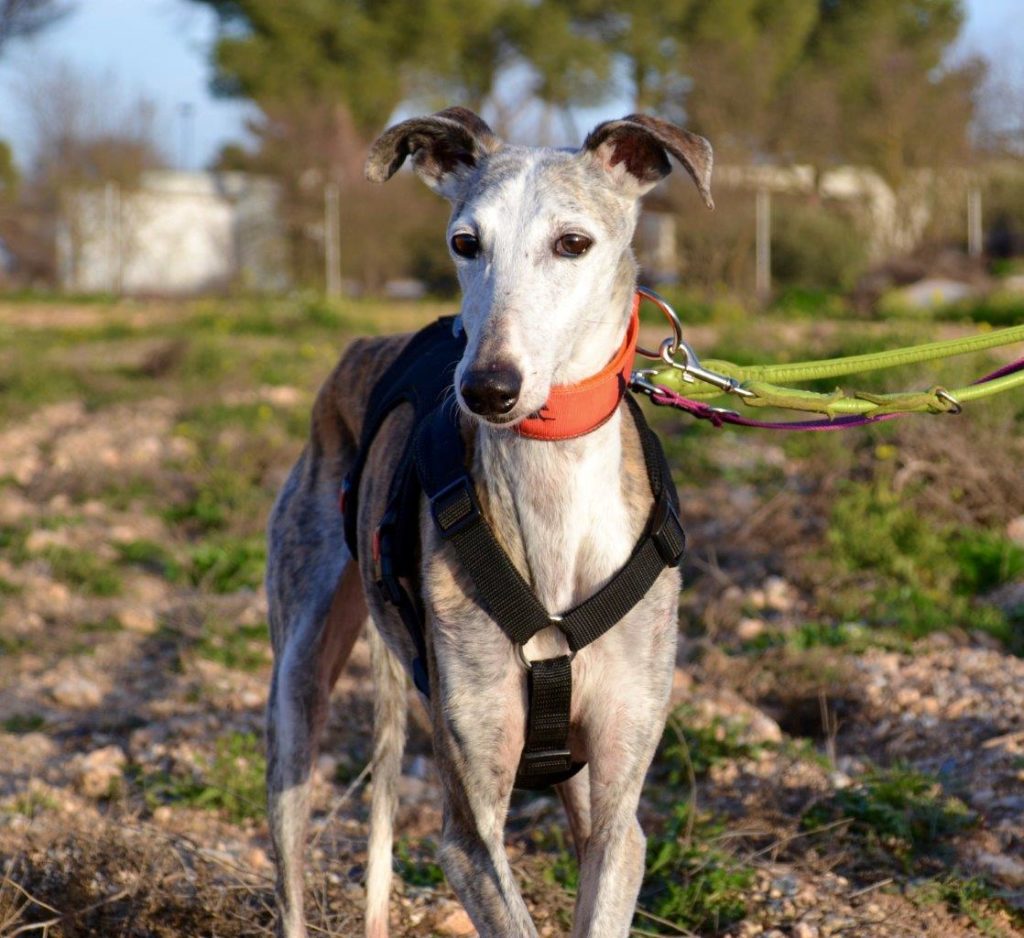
x=443, y=147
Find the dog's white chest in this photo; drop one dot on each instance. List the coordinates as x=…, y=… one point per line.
x=569, y=509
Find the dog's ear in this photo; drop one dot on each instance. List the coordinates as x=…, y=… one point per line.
x=634, y=152
x=443, y=147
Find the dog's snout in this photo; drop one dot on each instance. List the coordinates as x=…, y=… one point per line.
x=491, y=391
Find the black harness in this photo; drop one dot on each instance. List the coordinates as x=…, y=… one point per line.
x=433, y=465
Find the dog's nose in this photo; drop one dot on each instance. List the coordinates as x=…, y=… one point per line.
x=491, y=391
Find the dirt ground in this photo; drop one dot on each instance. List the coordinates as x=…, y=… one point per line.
x=139, y=451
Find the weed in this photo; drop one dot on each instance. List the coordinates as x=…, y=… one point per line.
x=900, y=568
x=83, y=570
x=228, y=564
x=563, y=869
x=974, y=899
x=242, y=647
x=691, y=881
x=853, y=637
x=31, y=802
x=232, y=782
x=13, y=540
x=22, y=723
x=687, y=747
x=7, y=588
x=152, y=557
x=415, y=867
x=903, y=810
x=106, y=625
x=13, y=644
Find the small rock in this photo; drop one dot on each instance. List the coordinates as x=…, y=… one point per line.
x=1015, y=530
x=749, y=930
x=256, y=859
x=162, y=815
x=77, y=692
x=1008, y=869
x=141, y=621
x=100, y=770
x=456, y=923
x=748, y=629
x=804, y=930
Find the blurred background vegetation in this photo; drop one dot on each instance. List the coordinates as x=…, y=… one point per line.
x=866, y=122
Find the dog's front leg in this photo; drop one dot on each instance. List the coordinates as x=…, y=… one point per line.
x=478, y=715
x=622, y=732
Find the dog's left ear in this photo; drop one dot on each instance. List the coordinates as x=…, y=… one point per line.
x=443, y=146
x=634, y=152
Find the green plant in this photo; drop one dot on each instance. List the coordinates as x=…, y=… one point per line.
x=899, y=808
x=688, y=747
x=232, y=782
x=691, y=881
x=33, y=801
x=22, y=723
x=242, y=647
x=225, y=565
x=83, y=570
x=898, y=567
x=814, y=247
x=414, y=863
x=974, y=899
x=152, y=557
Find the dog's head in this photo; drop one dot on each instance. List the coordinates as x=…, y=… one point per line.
x=541, y=242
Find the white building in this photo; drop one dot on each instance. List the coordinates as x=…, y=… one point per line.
x=174, y=233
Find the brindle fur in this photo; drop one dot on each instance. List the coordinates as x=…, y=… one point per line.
x=567, y=513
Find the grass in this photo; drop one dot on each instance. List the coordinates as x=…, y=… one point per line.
x=690, y=748
x=975, y=900
x=903, y=811
x=226, y=565
x=22, y=723
x=415, y=865
x=692, y=882
x=241, y=647
x=84, y=571
x=899, y=568
x=230, y=783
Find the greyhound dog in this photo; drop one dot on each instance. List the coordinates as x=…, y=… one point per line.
x=541, y=241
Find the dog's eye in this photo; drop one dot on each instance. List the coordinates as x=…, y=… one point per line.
x=572, y=245
x=465, y=245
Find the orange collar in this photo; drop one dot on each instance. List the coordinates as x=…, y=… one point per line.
x=576, y=409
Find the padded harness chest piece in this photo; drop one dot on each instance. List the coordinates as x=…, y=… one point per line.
x=434, y=464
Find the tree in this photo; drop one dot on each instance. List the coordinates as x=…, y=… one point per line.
x=20, y=19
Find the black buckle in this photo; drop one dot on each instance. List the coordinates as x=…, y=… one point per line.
x=544, y=762
x=667, y=531
x=455, y=507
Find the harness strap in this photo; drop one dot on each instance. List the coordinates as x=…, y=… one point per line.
x=508, y=598
x=546, y=759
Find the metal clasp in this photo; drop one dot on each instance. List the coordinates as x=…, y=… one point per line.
x=690, y=366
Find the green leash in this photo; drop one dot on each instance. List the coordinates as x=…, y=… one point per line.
x=763, y=385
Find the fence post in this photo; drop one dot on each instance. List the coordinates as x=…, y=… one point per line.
x=763, y=277
x=112, y=230
x=332, y=238
x=974, y=232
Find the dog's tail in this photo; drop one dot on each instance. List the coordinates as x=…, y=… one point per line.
x=389, y=721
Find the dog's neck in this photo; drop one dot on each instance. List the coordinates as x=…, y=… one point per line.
x=559, y=506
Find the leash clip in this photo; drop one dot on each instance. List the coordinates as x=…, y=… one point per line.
x=690, y=366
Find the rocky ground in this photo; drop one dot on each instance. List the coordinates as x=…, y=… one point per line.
x=854, y=781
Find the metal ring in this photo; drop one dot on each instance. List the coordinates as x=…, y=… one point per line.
x=955, y=406
x=670, y=314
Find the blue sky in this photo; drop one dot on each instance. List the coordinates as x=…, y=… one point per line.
x=160, y=48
